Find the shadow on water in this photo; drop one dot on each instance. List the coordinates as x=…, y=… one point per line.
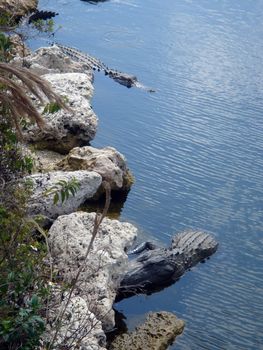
x=117, y=203
x=120, y=326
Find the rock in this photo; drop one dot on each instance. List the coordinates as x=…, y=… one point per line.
x=78, y=326
x=108, y=162
x=157, y=333
x=69, y=238
x=51, y=59
x=17, y=8
x=41, y=203
x=18, y=48
x=45, y=160
x=66, y=129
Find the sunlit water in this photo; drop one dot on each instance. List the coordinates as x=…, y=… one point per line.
x=195, y=146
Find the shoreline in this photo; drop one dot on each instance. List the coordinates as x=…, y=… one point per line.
x=73, y=81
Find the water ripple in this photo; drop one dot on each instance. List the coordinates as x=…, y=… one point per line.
x=195, y=146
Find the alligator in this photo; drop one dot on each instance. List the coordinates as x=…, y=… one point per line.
x=95, y=64
x=156, y=267
x=75, y=54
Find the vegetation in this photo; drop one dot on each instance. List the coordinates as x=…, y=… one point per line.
x=23, y=275
x=5, y=47
x=51, y=107
x=44, y=26
x=22, y=287
x=63, y=189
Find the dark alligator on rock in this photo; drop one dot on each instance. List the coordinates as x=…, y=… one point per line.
x=157, y=268
x=95, y=64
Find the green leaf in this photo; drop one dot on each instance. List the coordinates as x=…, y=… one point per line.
x=63, y=195
x=56, y=198
x=62, y=183
x=52, y=107
x=34, y=302
x=6, y=325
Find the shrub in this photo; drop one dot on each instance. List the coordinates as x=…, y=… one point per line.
x=23, y=275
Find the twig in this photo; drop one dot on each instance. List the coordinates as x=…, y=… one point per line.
x=43, y=233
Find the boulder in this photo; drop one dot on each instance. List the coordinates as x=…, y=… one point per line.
x=66, y=129
x=42, y=203
x=71, y=80
x=17, y=8
x=78, y=326
x=156, y=333
x=69, y=238
x=108, y=162
x=45, y=160
x=51, y=59
x=18, y=48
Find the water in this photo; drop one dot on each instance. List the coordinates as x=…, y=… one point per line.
x=195, y=146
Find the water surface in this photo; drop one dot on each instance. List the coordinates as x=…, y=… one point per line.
x=195, y=146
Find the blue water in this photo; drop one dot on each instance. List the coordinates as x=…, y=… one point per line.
x=195, y=146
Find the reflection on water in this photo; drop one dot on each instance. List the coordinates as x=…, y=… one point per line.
x=118, y=200
x=195, y=146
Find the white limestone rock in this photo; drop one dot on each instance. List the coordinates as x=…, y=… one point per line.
x=52, y=60
x=42, y=203
x=108, y=162
x=18, y=8
x=69, y=238
x=79, y=328
x=72, y=80
x=67, y=129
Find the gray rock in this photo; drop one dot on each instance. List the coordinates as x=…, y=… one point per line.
x=79, y=328
x=67, y=129
x=51, y=59
x=45, y=160
x=156, y=333
x=69, y=238
x=41, y=203
x=17, y=8
x=108, y=162
x=64, y=129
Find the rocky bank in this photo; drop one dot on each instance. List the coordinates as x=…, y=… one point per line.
x=17, y=8
x=61, y=151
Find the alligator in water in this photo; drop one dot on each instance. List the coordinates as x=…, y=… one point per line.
x=157, y=268
x=95, y=64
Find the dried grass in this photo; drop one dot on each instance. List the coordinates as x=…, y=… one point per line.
x=15, y=84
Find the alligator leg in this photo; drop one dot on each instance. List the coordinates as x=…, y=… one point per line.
x=142, y=247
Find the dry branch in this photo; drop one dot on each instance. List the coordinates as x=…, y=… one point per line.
x=15, y=84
